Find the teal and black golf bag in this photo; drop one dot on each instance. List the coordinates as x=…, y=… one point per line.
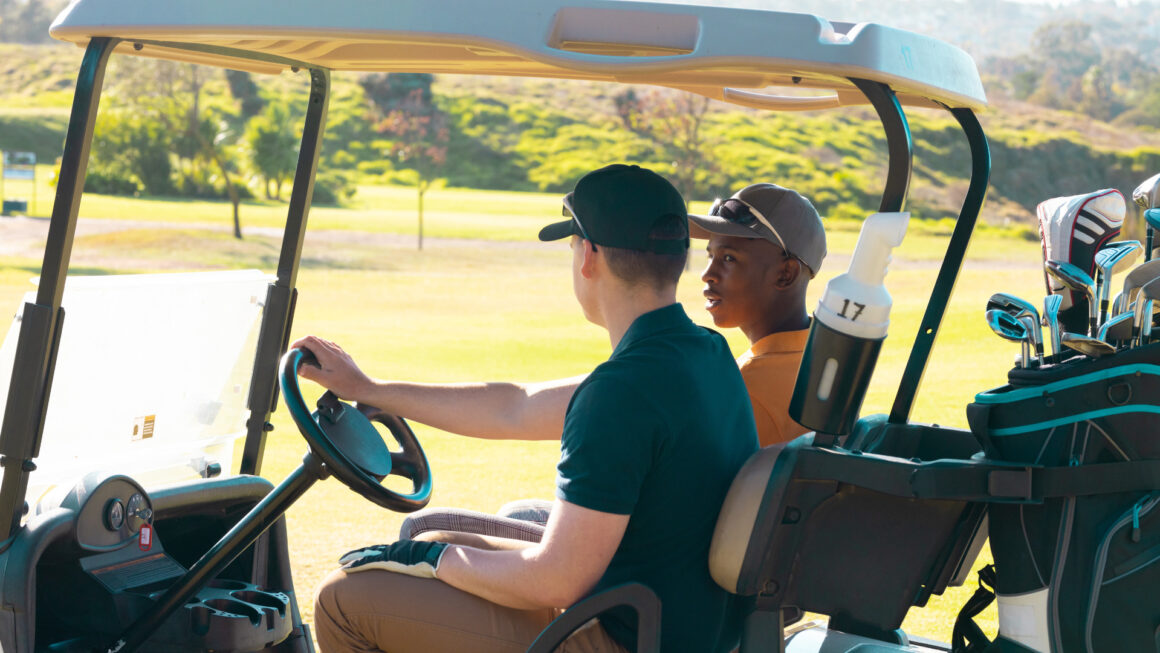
x=1077, y=557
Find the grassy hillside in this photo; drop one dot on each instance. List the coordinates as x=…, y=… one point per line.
x=29, y=131
x=37, y=75
x=541, y=135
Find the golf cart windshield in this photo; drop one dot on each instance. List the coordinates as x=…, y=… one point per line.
x=151, y=379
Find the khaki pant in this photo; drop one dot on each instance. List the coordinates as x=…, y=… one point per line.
x=378, y=610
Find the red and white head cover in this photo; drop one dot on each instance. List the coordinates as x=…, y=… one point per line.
x=1074, y=228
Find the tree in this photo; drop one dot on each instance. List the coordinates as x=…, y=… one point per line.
x=674, y=122
x=386, y=92
x=1067, y=46
x=245, y=91
x=130, y=155
x=272, y=146
x=1066, y=68
x=417, y=140
x=170, y=94
x=27, y=21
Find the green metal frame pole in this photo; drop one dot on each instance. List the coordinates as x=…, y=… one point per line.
x=41, y=322
x=953, y=261
x=281, y=296
x=898, y=143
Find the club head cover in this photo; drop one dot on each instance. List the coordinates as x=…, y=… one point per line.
x=1073, y=229
x=1147, y=194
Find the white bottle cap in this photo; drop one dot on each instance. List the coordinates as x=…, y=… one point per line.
x=856, y=303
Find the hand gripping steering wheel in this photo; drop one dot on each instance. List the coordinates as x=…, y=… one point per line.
x=346, y=441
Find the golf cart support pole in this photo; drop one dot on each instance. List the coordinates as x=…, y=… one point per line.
x=40, y=327
x=810, y=404
x=898, y=143
x=278, y=315
x=953, y=261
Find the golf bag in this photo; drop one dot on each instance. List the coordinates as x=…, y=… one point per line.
x=1073, y=229
x=1077, y=545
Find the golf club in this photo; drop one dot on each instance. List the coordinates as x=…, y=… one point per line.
x=1142, y=326
x=1142, y=274
x=1146, y=327
x=1075, y=279
x=1087, y=345
x=1020, y=308
x=1152, y=217
x=1145, y=196
x=1118, y=304
x=1051, y=304
x=1007, y=327
x=1034, y=336
x=1117, y=328
x=1113, y=258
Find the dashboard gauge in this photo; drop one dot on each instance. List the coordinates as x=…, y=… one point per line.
x=114, y=515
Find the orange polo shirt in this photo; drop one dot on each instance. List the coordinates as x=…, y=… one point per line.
x=770, y=370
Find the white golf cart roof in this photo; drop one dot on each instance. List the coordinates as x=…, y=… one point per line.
x=715, y=51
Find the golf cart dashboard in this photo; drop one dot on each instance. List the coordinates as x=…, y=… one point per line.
x=99, y=556
x=112, y=524
x=110, y=512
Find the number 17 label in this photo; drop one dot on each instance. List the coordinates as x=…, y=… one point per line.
x=858, y=308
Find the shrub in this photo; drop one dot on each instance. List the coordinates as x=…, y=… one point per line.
x=333, y=187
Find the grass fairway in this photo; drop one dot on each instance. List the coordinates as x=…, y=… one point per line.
x=457, y=213
x=493, y=310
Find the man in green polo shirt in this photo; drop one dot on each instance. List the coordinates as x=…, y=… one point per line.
x=651, y=441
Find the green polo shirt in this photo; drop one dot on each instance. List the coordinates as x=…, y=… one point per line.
x=658, y=432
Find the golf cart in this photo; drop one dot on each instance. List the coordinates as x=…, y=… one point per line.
x=859, y=521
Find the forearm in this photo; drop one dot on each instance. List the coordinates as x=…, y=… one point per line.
x=523, y=579
x=482, y=410
x=555, y=573
x=485, y=410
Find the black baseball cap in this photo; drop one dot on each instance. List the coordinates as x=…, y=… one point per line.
x=618, y=205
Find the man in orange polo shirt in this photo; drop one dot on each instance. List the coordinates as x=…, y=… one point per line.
x=765, y=245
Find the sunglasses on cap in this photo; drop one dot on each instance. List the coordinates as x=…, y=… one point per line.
x=740, y=212
x=569, y=213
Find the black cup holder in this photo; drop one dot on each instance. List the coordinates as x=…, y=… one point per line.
x=263, y=599
x=233, y=608
x=228, y=584
x=233, y=616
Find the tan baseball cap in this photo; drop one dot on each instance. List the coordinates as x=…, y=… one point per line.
x=779, y=215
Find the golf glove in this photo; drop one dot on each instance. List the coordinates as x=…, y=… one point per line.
x=420, y=559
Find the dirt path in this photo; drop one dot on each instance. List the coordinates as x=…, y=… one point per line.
x=20, y=236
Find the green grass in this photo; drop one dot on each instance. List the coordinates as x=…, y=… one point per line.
x=494, y=311
x=461, y=213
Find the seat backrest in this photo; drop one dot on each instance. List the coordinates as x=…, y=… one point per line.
x=838, y=532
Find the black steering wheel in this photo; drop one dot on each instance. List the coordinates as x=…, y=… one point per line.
x=347, y=442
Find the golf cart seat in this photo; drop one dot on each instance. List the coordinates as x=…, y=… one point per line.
x=858, y=535
x=855, y=533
